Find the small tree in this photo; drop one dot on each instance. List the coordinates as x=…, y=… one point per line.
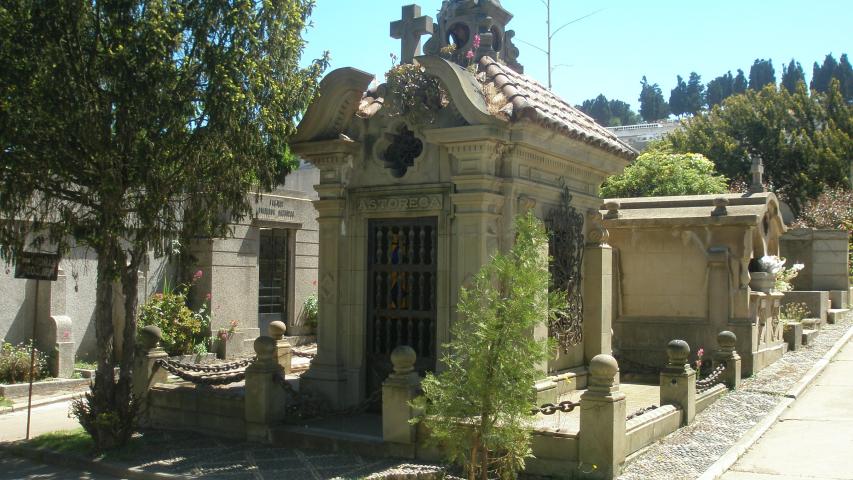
x=126, y=126
x=479, y=408
x=658, y=172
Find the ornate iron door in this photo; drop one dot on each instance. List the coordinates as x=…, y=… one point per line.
x=401, y=303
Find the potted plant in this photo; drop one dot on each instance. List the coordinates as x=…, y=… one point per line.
x=763, y=277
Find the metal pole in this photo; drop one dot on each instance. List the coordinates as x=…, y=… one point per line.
x=548, y=22
x=32, y=358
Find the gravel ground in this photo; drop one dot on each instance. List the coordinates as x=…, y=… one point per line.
x=689, y=451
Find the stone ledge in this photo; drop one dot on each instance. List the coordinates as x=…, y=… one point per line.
x=44, y=387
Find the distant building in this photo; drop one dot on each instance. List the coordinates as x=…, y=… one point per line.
x=639, y=136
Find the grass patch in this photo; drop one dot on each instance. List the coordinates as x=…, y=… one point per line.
x=5, y=402
x=78, y=442
x=83, y=365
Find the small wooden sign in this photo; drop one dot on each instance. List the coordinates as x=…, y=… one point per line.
x=37, y=266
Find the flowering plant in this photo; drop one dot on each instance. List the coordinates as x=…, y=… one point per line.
x=184, y=331
x=224, y=334
x=771, y=264
x=699, y=355
x=785, y=275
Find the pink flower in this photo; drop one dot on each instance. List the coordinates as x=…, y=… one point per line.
x=207, y=297
x=470, y=54
x=198, y=275
x=476, y=42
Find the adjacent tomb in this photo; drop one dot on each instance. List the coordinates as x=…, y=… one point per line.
x=681, y=269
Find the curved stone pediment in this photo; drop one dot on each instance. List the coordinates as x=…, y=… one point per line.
x=329, y=115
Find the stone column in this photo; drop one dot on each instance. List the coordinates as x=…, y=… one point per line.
x=678, y=381
x=718, y=287
x=397, y=391
x=601, y=439
x=54, y=331
x=283, y=351
x=146, y=370
x=726, y=355
x=597, y=294
x=265, y=400
x=327, y=374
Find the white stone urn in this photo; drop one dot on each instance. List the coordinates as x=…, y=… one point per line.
x=762, y=281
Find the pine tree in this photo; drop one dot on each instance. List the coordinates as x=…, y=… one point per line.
x=739, y=85
x=600, y=110
x=678, y=97
x=719, y=89
x=622, y=114
x=822, y=74
x=695, y=99
x=761, y=73
x=791, y=75
x=844, y=74
x=652, y=105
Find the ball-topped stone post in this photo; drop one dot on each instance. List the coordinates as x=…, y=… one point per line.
x=728, y=356
x=602, y=441
x=678, y=380
x=146, y=368
x=283, y=349
x=398, y=390
x=265, y=400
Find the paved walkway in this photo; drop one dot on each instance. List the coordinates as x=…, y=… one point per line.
x=47, y=418
x=814, y=438
x=20, y=469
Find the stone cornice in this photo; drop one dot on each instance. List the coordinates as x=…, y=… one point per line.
x=328, y=116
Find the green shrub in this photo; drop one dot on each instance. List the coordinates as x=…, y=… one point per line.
x=184, y=331
x=794, y=312
x=15, y=363
x=478, y=408
x=659, y=172
x=311, y=309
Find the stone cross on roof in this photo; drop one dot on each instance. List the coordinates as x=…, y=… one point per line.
x=409, y=29
x=757, y=171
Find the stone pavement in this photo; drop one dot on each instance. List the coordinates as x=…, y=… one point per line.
x=814, y=438
x=689, y=451
x=21, y=469
x=46, y=418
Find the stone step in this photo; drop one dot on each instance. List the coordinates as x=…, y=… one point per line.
x=811, y=323
x=809, y=336
x=833, y=315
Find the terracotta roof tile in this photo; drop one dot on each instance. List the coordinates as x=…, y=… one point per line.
x=527, y=99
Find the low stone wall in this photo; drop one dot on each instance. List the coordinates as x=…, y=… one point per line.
x=555, y=453
x=203, y=409
x=45, y=387
x=706, y=398
x=816, y=301
x=650, y=426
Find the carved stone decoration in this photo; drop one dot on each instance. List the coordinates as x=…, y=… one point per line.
x=565, y=246
x=597, y=235
x=401, y=153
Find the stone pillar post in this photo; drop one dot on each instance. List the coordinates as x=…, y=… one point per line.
x=678, y=381
x=265, y=399
x=718, y=287
x=146, y=370
x=283, y=352
x=54, y=331
x=602, y=440
x=726, y=355
x=597, y=294
x=397, y=391
x=337, y=333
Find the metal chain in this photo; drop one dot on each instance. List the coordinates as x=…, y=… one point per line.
x=712, y=379
x=304, y=406
x=215, y=368
x=641, y=411
x=297, y=353
x=209, y=379
x=550, y=409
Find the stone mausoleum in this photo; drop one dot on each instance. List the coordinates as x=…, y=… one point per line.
x=415, y=197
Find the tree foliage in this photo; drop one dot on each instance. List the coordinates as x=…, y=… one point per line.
x=478, y=408
x=678, y=97
x=652, y=105
x=610, y=113
x=740, y=85
x=761, y=73
x=804, y=141
x=695, y=99
x=129, y=125
x=842, y=71
x=720, y=89
x=658, y=172
x=792, y=74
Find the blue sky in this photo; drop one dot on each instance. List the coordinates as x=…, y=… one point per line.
x=610, y=51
